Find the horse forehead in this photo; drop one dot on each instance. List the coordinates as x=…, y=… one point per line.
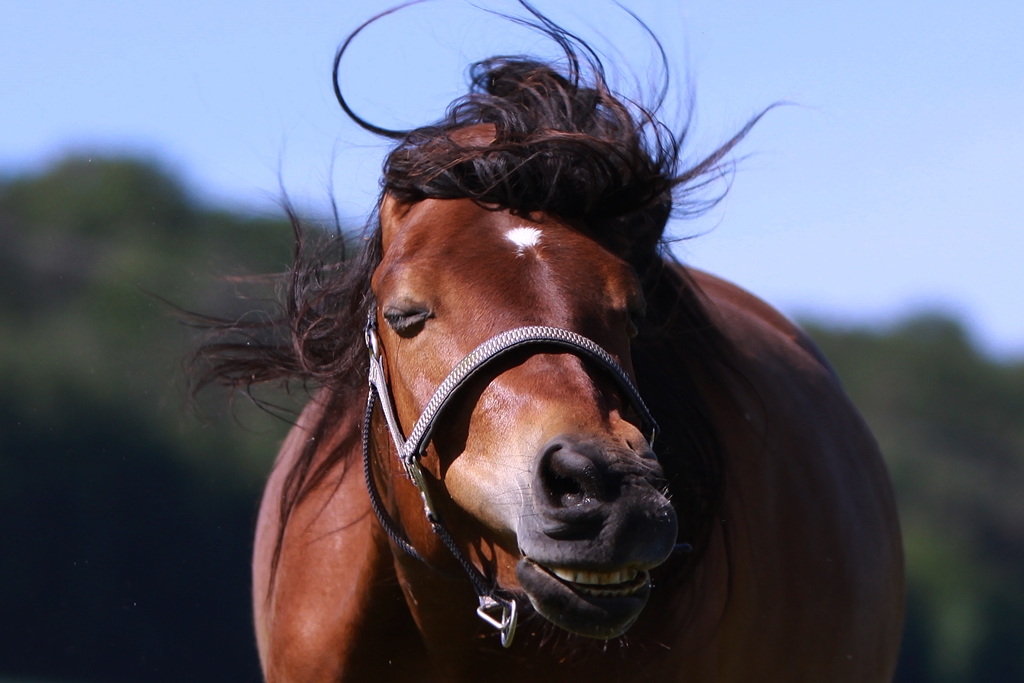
x=436, y=228
x=459, y=236
x=435, y=234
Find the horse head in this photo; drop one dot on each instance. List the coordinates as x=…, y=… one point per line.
x=542, y=451
x=536, y=202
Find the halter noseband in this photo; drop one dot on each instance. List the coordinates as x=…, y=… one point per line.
x=493, y=600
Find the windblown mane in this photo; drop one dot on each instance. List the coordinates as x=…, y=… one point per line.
x=565, y=145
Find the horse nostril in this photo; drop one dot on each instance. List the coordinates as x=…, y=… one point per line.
x=569, y=478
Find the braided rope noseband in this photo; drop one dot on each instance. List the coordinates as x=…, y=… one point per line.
x=493, y=601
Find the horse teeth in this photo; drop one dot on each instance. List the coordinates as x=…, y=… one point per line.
x=564, y=574
x=594, y=578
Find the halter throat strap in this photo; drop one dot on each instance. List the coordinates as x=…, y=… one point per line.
x=496, y=608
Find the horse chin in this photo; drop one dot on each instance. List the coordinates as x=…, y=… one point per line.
x=605, y=610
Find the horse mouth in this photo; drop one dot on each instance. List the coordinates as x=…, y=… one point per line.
x=618, y=584
x=588, y=603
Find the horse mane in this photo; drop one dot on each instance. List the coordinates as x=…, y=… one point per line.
x=563, y=145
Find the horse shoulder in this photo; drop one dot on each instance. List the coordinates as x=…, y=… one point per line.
x=816, y=554
x=333, y=609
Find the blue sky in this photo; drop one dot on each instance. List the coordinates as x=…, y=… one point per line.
x=894, y=185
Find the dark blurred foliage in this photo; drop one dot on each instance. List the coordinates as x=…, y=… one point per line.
x=127, y=521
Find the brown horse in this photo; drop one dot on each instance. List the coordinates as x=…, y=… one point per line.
x=510, y=297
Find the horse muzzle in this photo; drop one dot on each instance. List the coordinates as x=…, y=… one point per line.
x=596, y=522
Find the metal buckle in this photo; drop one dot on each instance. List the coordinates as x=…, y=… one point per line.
x=509, y=616
x=372, y=343
x=415, y=472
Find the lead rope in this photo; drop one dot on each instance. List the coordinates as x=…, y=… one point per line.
x=492, y=600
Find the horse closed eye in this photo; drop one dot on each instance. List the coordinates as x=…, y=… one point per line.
x=406, y=323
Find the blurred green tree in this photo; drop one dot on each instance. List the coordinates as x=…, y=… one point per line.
x=127, y=520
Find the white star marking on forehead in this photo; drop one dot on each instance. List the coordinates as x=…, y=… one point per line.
x=524, y=238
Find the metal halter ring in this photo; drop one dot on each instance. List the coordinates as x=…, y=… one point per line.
x=509, y=616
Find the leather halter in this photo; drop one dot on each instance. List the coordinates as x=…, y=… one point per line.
x=493, y=601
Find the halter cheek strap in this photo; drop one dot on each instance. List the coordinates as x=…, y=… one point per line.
x=493, y=601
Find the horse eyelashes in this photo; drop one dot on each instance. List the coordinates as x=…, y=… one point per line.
x=406, y=323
